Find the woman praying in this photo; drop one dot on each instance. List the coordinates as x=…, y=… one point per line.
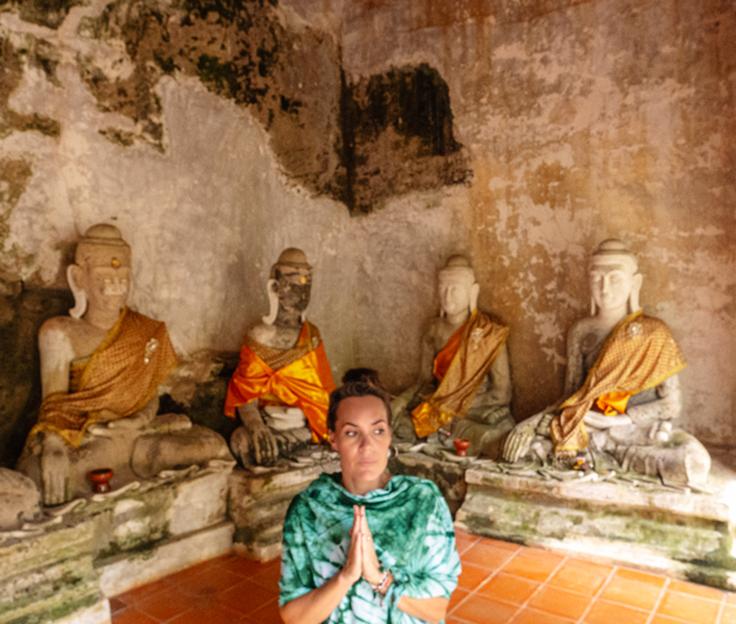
x=362, y=545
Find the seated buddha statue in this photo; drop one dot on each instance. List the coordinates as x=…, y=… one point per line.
x=101, y=367
x=464, y=384
x=280, y=389
x=622, y=393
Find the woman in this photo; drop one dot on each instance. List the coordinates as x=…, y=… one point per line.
x=363, y=546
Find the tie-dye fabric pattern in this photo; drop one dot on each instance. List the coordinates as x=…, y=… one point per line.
x=412, y=531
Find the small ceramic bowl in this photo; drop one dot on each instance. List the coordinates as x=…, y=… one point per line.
x=100, y=479
x=461, y=446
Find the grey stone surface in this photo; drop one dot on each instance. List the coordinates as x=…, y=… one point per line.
x=639, y=522
x=258, y=500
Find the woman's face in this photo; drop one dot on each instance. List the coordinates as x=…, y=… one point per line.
x=362, y=437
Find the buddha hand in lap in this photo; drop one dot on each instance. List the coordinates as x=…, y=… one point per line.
x=280, y=390
x=100, y=371
x=622, y=389
x=464, y=384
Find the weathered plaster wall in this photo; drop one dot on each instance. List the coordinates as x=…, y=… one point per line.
x=585, y=120
x=216, y=138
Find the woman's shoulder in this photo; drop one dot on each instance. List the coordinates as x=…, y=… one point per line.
x=417, y=485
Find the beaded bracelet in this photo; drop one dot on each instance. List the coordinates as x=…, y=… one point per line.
x=383, y=585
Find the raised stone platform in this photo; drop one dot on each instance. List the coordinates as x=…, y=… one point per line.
x=63, y=568
x=684, y=533
x=260, y=497
x=445, y=469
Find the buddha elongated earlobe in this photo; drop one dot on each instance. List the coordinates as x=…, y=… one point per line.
x=474, y=292
x=73, y=272
x=634, y=294
x=273, y=302
x=592, y=306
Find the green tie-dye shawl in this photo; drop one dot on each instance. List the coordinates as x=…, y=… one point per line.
x=412, y=530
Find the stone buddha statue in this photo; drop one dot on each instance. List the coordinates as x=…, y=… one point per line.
x=622, y=392
x=464, y=385
x=280, y=389
x=101, y=367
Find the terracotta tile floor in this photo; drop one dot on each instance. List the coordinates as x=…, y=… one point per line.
x=500, y=583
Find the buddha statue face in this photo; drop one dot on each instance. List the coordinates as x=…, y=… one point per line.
x=458, y=289
x=614, y=278
x=294, y=287
x=100, y=277
x=289, y=288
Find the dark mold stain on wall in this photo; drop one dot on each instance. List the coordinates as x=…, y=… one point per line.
x=360, y=143
x=398, y=137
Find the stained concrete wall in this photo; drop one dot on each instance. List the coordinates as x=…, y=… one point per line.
x=585, y=120
x=574, y=122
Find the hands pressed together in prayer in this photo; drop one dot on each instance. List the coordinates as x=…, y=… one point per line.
x=362, y=560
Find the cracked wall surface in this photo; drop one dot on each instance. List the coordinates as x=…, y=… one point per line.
x=521, y=133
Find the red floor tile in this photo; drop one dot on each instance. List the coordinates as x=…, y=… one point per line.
x=501, y=583
x=632, y=592
x=692, y=589
x=604, y=612
x=457, y=597
x=133, y=616
x=560, y=602
x=533, y=564
x=472, y=576
x=689, y=608
x=165, y=604
x=582, y=577
x=213, y=614
x=532, y=616
x=508, y=588
x=487, y=555
x=267, y=614
x=480, y=610
x=728, y=615
x=245, y=597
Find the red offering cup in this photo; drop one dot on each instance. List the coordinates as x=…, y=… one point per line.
x=461, y=446
x=100, y=479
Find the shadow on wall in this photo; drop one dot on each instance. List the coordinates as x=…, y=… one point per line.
x=22, y=312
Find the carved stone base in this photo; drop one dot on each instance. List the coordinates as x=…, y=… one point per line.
x=48, y=575
x=259, y=500
x=686, y=534
x=63, y=568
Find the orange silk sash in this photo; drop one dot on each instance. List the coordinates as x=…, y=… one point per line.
x=460, y=368
x=305, y=382
x=639, y=354
x=122, y=376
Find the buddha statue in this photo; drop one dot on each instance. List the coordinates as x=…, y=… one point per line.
x=622, y=393
x=280, y=389
x=464, y=384
x=101, y=367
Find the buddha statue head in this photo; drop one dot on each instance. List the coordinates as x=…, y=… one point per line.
x=458, y=289
x=615, y=280
x=100, y=275
x=289, y=288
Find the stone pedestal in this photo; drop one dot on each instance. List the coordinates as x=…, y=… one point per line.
x=446, y=470
x=48, y=574
x=259, y=499
x=684, y=533
x=63, y=568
